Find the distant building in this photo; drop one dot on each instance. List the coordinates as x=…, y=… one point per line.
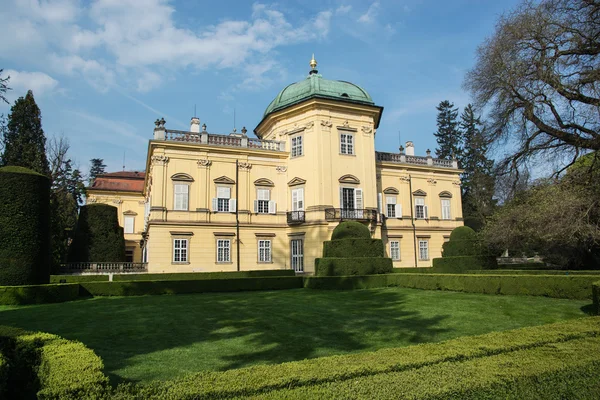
x=213, y=202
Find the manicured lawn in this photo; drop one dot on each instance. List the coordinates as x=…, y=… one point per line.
x=161, y=337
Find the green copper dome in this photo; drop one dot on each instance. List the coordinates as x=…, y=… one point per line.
x=315, y=86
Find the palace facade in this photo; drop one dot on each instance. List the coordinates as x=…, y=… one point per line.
x=210, y=202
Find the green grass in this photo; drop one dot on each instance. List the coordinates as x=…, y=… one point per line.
x=162, y=337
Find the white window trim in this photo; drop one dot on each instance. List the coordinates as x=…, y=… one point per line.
x=300, y=257
x=295, y=149
x=231, y=203
x=267, y=246
x=224, y=260
x=125, y=218
x=425, y=208
x=449, y=208
x=426, y=247
x=392, y=250
x=347, y=146
x=298, y=205
x=185, y=207
x=185, y=250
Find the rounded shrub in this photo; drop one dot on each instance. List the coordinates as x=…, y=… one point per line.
x=463, y=233
x=24, y=227
x=98, y=236
x=350, y=230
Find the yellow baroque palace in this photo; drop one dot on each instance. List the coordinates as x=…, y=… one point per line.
x=211, y=202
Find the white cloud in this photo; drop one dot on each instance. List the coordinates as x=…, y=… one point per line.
x=22, y=81
x=371, y=14
x=343, y=9
x=50, y=11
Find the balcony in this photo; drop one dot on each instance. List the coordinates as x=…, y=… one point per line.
x=103, y=267
x=415, y=160
x=340, y=214
x=295, y=217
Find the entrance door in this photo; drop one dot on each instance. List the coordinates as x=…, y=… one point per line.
x=297, y=251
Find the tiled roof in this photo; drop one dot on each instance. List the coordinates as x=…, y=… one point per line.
x=122, y=181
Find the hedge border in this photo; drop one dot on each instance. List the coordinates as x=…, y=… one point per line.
x=533, y=272
x=78, y=278
x=203, y=275
x=596, y=296
x=461, y=264
x=38, y=294
x=342, y=266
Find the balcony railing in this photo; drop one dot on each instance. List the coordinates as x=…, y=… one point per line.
x=415, y=160
x=295, y=217
x=342, y=214
x=104, y=267
x=213, y=139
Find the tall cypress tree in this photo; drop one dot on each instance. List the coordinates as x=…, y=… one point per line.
x=478, y=182
x=24, y=140
x=448, y=135
x=97, y=168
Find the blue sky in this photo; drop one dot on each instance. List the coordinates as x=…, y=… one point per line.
x=103, y=71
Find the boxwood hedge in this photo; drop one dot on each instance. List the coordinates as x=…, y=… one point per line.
x=78, y=278
x=353, y=248
x=350, y=229
x=38, y=294
x=342, y=266
x=458, y=264
x=596, y=296
x=203, y=275
x=24, y=227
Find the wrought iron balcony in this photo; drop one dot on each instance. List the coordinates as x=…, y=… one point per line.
x=295, y=217
x=341, y=214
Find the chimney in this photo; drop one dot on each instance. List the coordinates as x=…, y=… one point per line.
x=410, y=149
x=195, y=125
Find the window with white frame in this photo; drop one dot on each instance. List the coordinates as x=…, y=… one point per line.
x=390, y=202
x=181, y=196
x=264, y=251
x=129, y=224
x=395, y=250
x=223, y=198
x=180, y=250
x=261, y=204
x=421, y=211
x=298, y=199
x=297, y=146
x=223, y=250
x=446, y=209
x=346, y=143
x=297, y=254
x=423, y=249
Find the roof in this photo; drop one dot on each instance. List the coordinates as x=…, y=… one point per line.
x=122, y=181
x=316, y=86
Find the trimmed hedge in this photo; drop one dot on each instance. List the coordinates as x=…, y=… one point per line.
x=141, y=288
x=596, y=296
x=463, y=263
x=531, y=265
x=98, y=236
x=78, y=278
x=533, y=272
x=412, y=270
x=343, y=266
x=38, y=294
x=350, y=230
x=267, y=380
x=565, y=287
x=25, y=256
x=203, y=275
x=353, y=248
x=52, y=368
x=463, y=233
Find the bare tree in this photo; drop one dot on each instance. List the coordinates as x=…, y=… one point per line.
x=538, y=77
x=3, y=87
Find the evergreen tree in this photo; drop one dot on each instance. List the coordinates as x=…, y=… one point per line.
x=478, y=179
x=96, y=169
x=24, y=140
x=448, y=135
x=3, y=87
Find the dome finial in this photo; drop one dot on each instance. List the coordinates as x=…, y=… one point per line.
x=313, y=65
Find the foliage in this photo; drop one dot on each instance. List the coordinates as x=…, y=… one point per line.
x=463, y=233
x=596, y=297
x=477, y=180
x=353, y=248
x=97, y=167
x=448, y=136
x=62, y=369
x=24, y=140
x=461, y=264
x=527, y=266
x=350, y=229
x=24, y=227
x=564, y=287
x=142, y=288
x=98, y=236
x=204, y=275
x=279, y=381
x=3, y=87
x=78, y=278
x=343, y=266
x=538, y=76
x=463, y=252
x=38, y=294
x=532, y=272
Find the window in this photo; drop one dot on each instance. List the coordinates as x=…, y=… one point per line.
x=181, y=197
x=261, y=204
x=298, y=199
x=223, y=250
x=129, y=224
x=180, y=250
x=297, y=147
x=421, y=211
x=395, y=250
x=129, y=251
x=423, y=250
x=351, y=203
x=445, y=208
x=223, y=202
x=264, y=251
x=346, y=143
x=297, y=252
x=392, y=207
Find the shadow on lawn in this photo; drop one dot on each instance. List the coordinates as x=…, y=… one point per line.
x=264, y=327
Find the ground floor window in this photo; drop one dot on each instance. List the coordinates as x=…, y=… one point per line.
x=423, y=250
x=264, y=251
x=395, y=250
x=129, y=251
x=223, y=250
x=297, y=252
x=180, y=250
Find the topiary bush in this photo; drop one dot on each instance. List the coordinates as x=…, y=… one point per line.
x=24, y=227
x=98, y=236
x=464, y=252
x=463, y=242
x=350, y=229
